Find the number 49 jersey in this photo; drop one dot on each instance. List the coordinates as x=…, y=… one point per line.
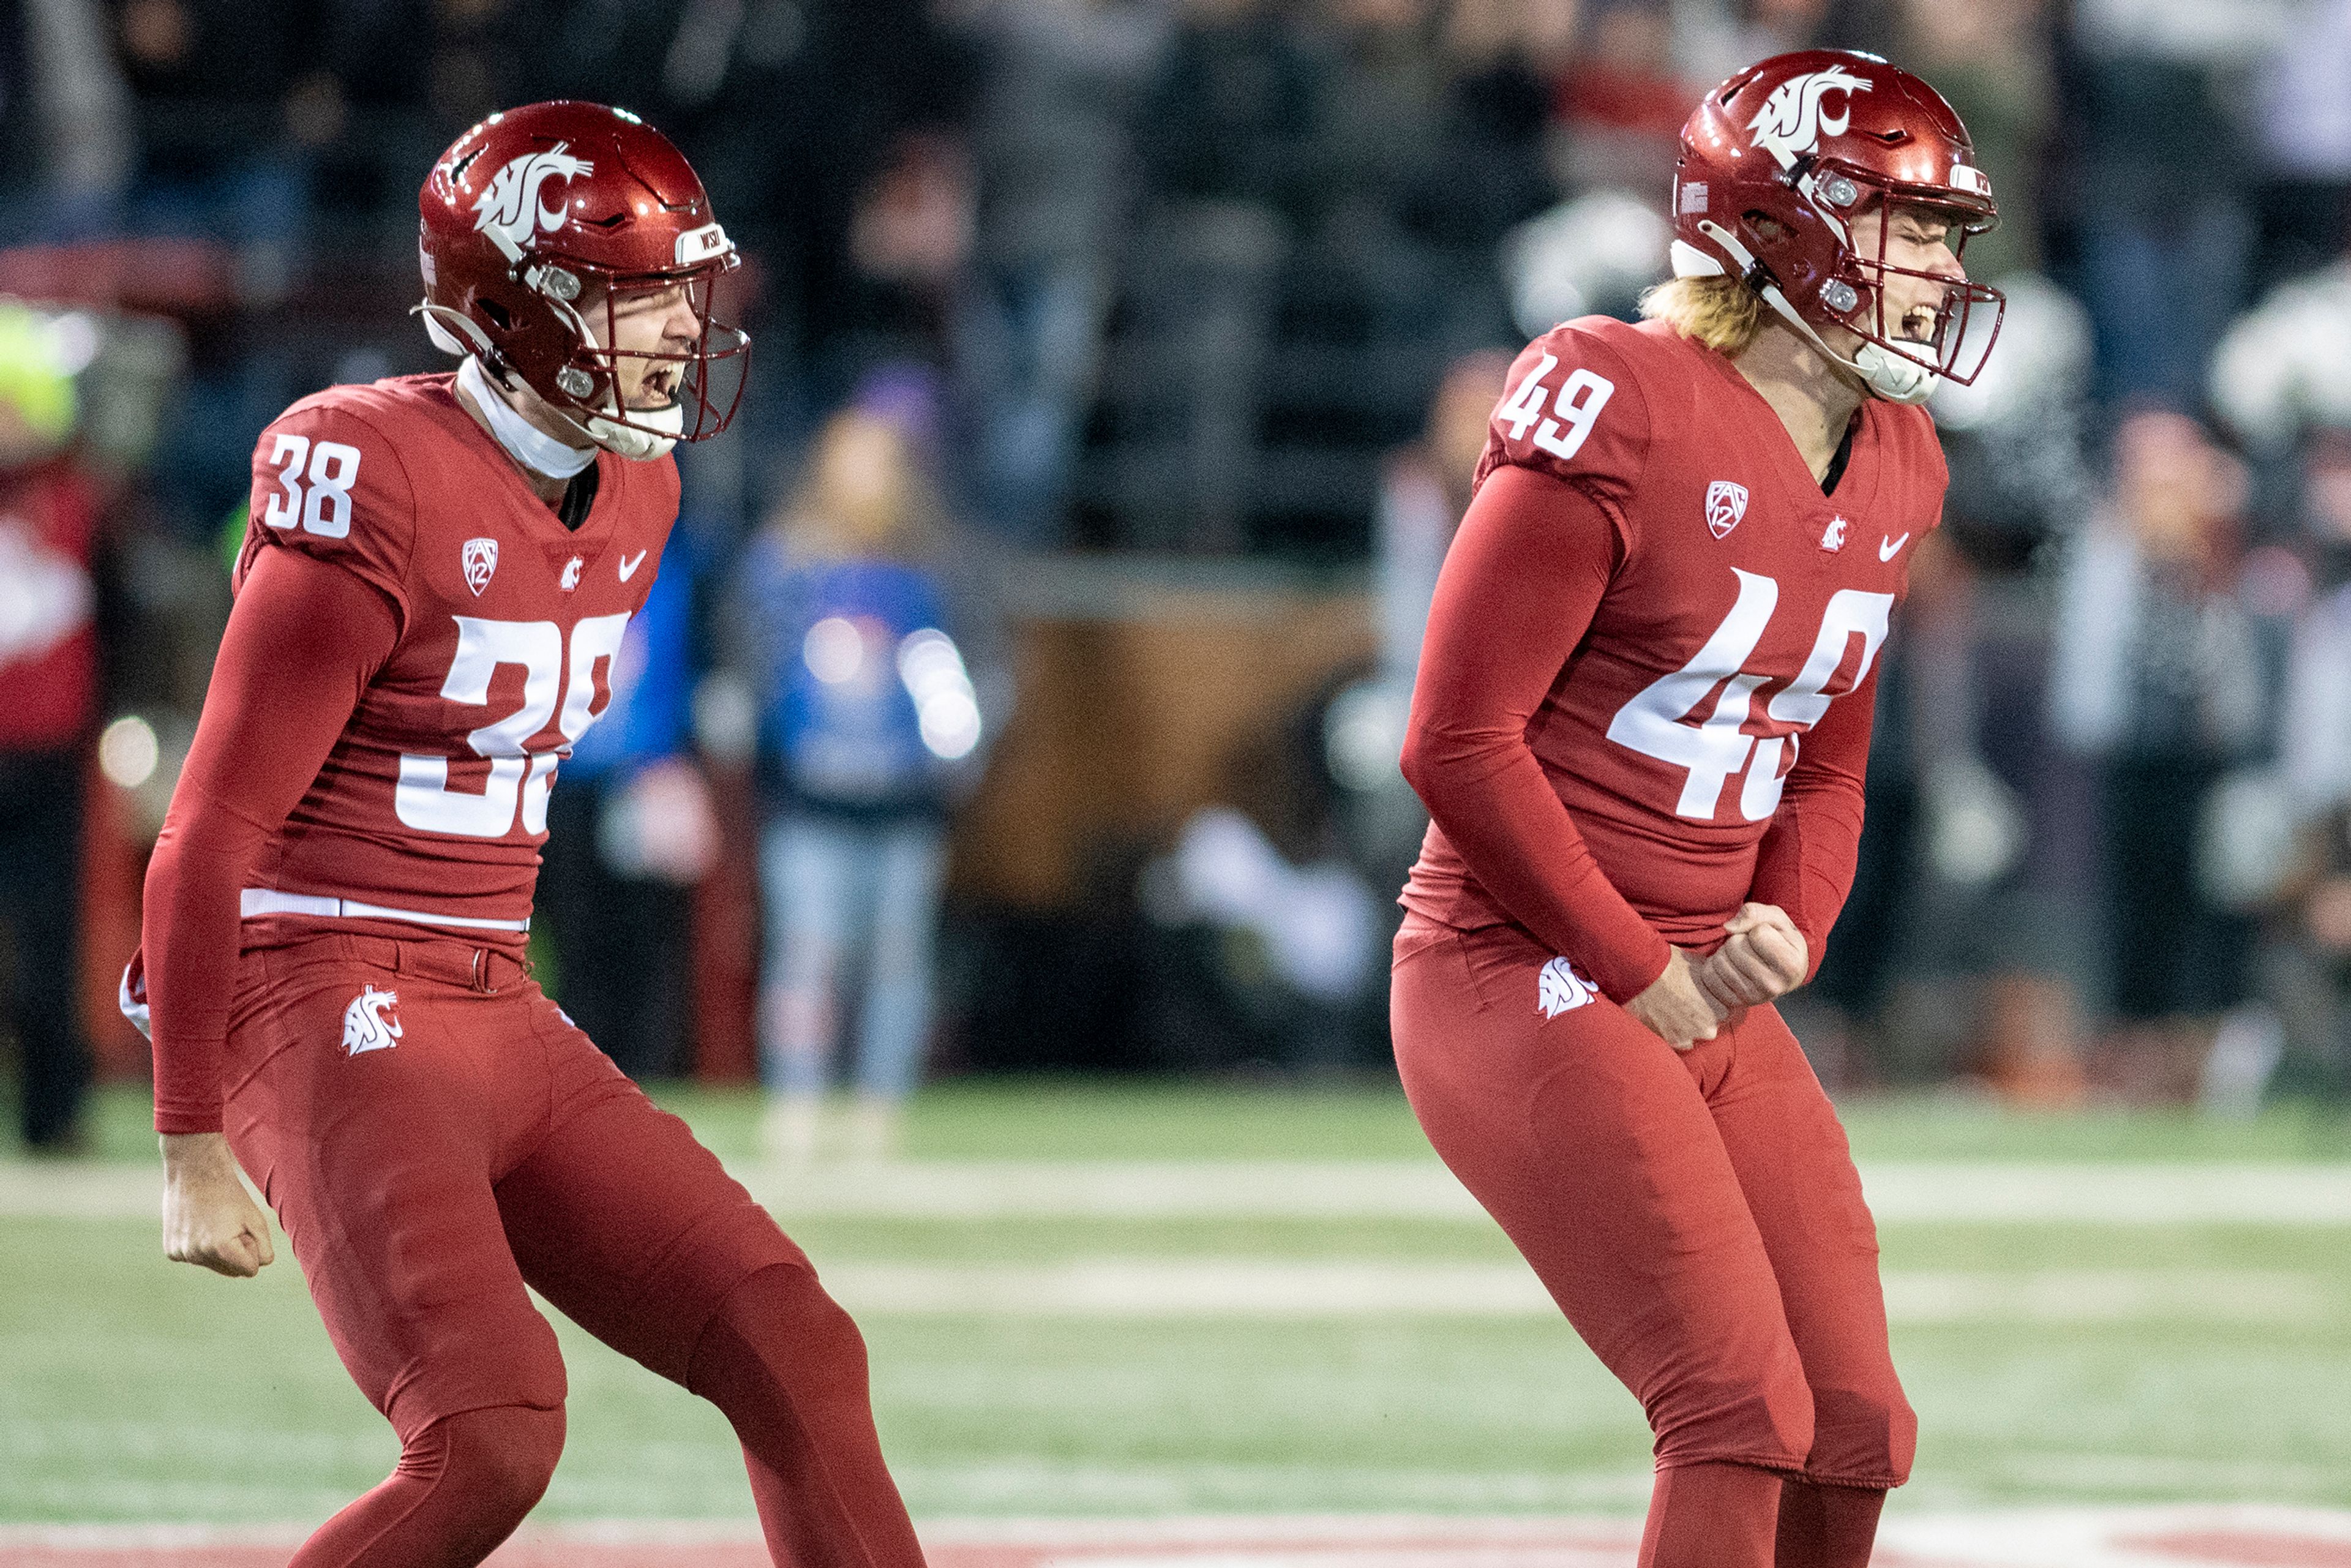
x=433, y=805
x=1742, y=604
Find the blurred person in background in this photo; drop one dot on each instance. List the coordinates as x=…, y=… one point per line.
x=49, y=693
x=2167, y=670
x=2307, y=963
x=2156, y=176
x=871, y=726
x=2303, y=204
x=629, y=832
x=1622, y=100
x=1990, y=58
x=1050, y=139
x=66, y=117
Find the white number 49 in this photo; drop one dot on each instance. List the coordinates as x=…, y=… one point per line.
x=324, y=505
x=1581, y=398
x=1655, y=723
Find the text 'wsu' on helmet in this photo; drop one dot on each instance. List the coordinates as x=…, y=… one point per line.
x=540, y=218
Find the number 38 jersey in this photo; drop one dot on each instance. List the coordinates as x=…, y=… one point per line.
x=1740, y=604
x=434, y=801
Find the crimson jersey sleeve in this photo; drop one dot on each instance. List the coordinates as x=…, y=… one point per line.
x=1517, y=593
x=1806, y=858
x=327, y=484
x=1571, y=410
x=302, y=644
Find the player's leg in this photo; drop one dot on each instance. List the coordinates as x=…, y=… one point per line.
x=463, y=1484
x=1791, y=1154
x=379, y=1163
x=809, y=884
x=1587, y=1139
x=40, y=903
x=634, y=1230
x=894, y=1025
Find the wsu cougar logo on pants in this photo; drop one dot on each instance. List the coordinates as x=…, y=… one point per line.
x=369, y=1023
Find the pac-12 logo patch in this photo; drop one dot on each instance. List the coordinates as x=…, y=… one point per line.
x=370, y=1023
x=1560, y=988
x=481, y=557
x=1726, y=503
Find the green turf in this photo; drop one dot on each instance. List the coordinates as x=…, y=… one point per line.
x=1062, y=1119
x=135, y=1389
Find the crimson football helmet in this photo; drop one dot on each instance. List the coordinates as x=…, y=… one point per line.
x=540, y=211
x=1777, y=162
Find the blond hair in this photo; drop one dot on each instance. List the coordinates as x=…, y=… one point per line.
x=1721, y=311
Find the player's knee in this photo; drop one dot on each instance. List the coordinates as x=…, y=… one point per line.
x=1764, y=1419
x=781, y=1332
x=500, y=1459
x=1862, y=1437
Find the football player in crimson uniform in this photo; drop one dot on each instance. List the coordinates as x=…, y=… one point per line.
x=1640, y=727
x=432, y=590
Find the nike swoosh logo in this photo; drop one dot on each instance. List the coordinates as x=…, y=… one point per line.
x=629, y=564
x=1886, y=550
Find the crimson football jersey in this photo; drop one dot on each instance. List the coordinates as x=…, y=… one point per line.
x=1740, y=604
x=433, y=802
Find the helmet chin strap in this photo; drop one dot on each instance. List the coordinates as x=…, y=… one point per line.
x=523, y=442
x=631, y=442
x=1898, y=376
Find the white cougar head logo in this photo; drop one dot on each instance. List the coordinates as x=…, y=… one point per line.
x=511, y=203
x=369, y=1023
x=1559, y=988
x=1792, y=120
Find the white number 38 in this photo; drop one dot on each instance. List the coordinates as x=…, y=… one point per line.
x=323, y=506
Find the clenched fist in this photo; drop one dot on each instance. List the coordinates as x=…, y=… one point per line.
x=1764, y=959
x=1675, y=1009
x=208, y=1217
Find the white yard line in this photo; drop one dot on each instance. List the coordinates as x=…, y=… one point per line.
x=2195, y=1536
x=1263, y=1290
x=1900, y=1192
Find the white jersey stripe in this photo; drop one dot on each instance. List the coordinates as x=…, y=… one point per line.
x=253, y=902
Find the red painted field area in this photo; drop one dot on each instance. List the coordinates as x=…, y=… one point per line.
x=2042, y=1538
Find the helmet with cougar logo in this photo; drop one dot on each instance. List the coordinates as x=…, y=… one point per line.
x=1779, y=162
x=536, y=220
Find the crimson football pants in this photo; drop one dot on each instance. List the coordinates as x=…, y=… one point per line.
x=426, y=1177
x=1697, y=1218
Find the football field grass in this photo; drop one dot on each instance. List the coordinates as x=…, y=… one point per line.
x=1124, y=1300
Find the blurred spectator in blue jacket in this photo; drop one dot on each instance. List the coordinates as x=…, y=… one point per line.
x=630, y=833
x=869, y=725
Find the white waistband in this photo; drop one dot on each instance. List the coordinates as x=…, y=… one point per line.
x=255, y=900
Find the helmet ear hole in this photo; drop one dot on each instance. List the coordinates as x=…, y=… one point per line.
x=496, y=312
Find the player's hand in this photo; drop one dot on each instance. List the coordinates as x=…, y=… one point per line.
x=1675, y=1009
x=208, y=1217
x=1764, y=959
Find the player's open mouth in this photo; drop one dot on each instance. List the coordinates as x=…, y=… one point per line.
x=658, y=390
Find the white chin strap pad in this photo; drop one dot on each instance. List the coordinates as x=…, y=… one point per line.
x=1894, y=375
x=1891, y=374
x=642, y=446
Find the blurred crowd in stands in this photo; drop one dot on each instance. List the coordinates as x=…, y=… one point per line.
x=1174, y=283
